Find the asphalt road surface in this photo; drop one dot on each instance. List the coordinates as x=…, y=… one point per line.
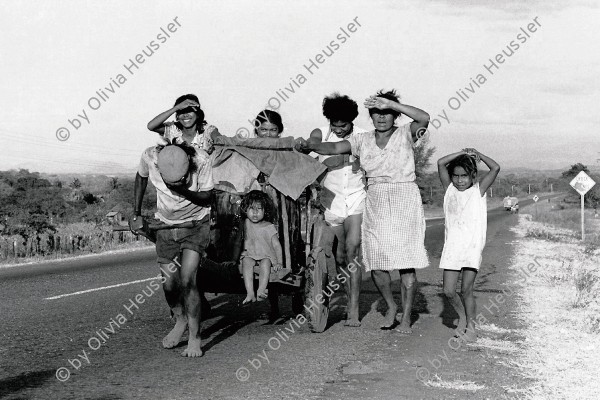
x=69, y=330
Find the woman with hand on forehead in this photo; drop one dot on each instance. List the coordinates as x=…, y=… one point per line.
x=189, y=124
x=393, y=228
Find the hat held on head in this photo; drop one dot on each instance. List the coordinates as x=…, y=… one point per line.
x=173, y=164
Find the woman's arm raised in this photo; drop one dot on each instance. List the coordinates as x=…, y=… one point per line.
x=420, y=118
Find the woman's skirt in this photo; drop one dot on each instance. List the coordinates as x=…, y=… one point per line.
x=393, y=228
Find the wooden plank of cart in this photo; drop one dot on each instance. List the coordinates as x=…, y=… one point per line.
x=242, y=165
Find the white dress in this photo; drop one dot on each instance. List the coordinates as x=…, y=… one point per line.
x=466, y=225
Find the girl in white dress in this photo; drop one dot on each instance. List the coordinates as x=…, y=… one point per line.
x=466, y=224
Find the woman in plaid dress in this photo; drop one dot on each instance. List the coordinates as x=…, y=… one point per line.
x=393, y=228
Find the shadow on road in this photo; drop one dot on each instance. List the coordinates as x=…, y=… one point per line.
x=28, y=380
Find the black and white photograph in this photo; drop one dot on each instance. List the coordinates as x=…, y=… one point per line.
x=303, y=200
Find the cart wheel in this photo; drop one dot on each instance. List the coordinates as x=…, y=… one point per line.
x=317, y=311
x=298, y=303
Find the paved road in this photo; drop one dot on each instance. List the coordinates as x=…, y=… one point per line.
x=106, y=348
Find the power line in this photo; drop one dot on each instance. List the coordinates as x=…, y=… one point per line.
x=22, y=138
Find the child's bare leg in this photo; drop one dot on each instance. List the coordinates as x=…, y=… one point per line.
x=263, y=278
x=248, y=273
x=383, y=282
x=468, y=281
x=408, y=289
x=450, y=280
x=191, y=297
x=173, y=294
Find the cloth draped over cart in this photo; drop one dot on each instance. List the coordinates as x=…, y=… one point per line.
x=237, y=163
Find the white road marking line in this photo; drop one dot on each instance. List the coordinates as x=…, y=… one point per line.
x=101, y=288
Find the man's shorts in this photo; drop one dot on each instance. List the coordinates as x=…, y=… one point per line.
x=355, y=206
x=170, y=242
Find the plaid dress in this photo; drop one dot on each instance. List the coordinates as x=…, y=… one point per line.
x=393, y=228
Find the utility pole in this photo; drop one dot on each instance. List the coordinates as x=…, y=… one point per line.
x=491, y=192
x=529, y=190
x=512, y=190
x=551, y=188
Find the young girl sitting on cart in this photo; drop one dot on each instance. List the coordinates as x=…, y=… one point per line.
x=261, y=244
x=466, y=224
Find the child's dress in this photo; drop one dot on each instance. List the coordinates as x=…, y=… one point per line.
x=257, y=244
x=466, y=225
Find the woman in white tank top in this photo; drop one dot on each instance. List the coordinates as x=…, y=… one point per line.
x=343, y=194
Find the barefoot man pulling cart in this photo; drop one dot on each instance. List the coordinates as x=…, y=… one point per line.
x=182, y=175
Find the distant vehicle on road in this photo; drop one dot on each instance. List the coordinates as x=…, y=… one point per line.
x=511, y=204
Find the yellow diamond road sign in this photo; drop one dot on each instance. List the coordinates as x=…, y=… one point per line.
x=582, y=183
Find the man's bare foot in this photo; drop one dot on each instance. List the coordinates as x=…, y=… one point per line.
x=249, y=299
x=174, y=337
x=193, y=349
x=390, y=319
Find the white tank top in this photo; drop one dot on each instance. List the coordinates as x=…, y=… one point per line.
x=348, y=179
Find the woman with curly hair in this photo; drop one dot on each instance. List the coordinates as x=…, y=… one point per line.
x=343, y=195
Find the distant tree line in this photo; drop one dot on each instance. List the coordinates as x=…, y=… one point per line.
x=31, y=204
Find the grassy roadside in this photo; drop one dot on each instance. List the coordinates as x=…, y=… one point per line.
x=567, y=216
x=121, y=248
x=560, y=305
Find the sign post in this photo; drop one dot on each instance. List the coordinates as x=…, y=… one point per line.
x=535, y=200
x=582, y=219
x=582, y=183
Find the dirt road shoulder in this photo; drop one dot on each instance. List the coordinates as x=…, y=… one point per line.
x=431, y=364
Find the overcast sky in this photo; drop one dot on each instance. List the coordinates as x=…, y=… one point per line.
x=537, y=109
